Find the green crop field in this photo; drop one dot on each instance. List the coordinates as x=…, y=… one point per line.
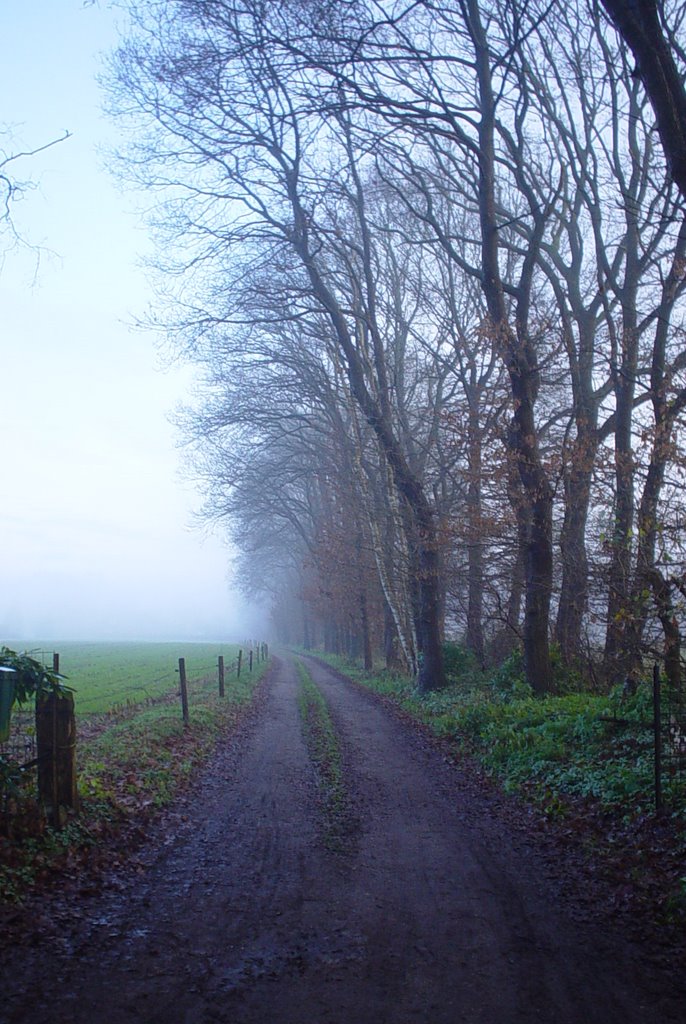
x=110, y=675
x=134, y=750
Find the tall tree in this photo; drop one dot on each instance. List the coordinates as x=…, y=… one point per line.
x=642, y=24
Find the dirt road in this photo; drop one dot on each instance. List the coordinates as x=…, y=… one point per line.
x=430, y=913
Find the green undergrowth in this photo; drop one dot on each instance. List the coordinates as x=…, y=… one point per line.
x=577, y=744
x=325, y=752
x=582, y=762
x=584, y=765
x=127, y=770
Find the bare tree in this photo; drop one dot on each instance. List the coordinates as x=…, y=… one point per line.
x=12, y=187
x=643, y=26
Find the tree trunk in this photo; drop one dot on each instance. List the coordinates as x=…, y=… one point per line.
x=475, y=571
x=394, y=660
x=522, y=367
x=538, y=502
x=429, y=639
x=621, y=652
x=516, y=594
x=307, y=642
x=539, y=577
x=574, y=586
x=475, y=623
x=366, y=632
x=618, y=656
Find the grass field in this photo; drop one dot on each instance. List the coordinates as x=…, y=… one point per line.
x=106, y=676
x=130, y=761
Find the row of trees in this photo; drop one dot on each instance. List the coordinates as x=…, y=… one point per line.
x=432, y=263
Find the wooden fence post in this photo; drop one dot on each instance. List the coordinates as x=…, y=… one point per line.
x=184, y=691
x=55, y=662
x=240, y=659
x=56, y=750
x=250, y=659
x=220, y=667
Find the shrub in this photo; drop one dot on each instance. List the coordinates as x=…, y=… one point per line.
x=509, y=679
x=460, y=663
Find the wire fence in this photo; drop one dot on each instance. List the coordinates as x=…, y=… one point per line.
x=110, y=684
x=20, y=755
x=19, y=776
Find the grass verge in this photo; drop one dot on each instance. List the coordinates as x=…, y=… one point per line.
x=584, y=764
x=127, y=771
x=325, y=753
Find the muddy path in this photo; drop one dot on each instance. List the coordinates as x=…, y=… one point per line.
x=430, y=911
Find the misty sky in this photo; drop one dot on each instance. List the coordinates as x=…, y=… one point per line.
x=95, y=534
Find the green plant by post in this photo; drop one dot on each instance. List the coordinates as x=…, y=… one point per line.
x=31, y=678
x=25, y=679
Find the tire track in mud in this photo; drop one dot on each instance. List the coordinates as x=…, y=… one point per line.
x=244, y=916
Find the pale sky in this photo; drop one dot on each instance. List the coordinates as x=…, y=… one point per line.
x=95, y=519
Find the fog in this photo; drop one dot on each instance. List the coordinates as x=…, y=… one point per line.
x=96, y=534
